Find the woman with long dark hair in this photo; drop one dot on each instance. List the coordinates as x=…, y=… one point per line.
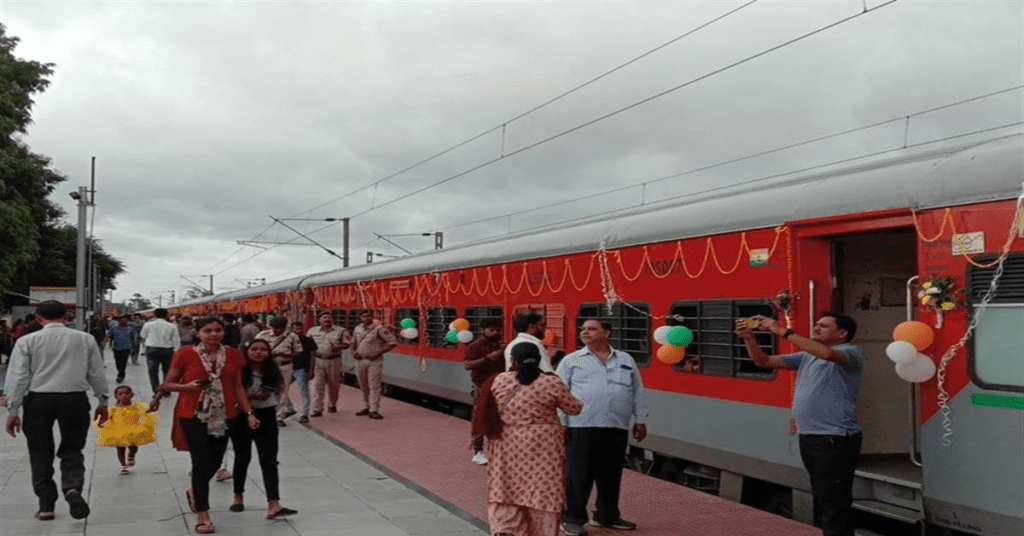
x=208, y=378
x=526, y=469
x=262, y=380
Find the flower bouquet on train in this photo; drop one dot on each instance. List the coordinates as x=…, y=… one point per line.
x=939, y=294
x=782, y=302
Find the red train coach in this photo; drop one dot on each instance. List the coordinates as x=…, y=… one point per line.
x=863, y=239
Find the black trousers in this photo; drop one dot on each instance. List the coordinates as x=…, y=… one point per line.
x=265, y=437
x=157, y=358
x=71, y=411
x=121, y=361
x=830, y=461
x=594, y=456
x=207, y=453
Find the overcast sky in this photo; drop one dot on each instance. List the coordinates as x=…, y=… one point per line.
x=207, y=117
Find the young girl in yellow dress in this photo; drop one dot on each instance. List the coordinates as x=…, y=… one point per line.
x=129, y=426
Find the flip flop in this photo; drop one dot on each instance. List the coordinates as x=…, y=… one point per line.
x=79, y=508
x=206, y=527
x=48, y=516
x=190, y=497
x=281, y=512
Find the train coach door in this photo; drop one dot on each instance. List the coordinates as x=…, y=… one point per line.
x=860, y=266
x=871, y=271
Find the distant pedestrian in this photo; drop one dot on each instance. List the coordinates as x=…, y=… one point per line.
x=137, y=323
x=262, y=381
x=49, y=374
x=249, y=330
x=207, y=377
x=530, y=328
x=484, y=358
x=284, y=347
x=327, y=365
x=370, y=342
x=186, y=330
x=232, y=334
x=608, y=382
x=130, y=425
x=121, y=336
x=304, y=368
x=526, y=473
x=161, y=340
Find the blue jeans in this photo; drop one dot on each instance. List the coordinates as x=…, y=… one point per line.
x=302, y=378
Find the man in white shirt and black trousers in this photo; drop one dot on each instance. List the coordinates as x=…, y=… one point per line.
x=49, y=374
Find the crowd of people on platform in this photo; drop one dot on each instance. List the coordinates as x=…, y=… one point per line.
x=556, y=425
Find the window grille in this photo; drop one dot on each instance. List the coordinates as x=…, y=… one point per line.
x=715, y=348
x=436, y=326
x=631, y=327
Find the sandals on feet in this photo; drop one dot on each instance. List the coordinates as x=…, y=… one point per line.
x=206, y=527
x=223, y=474
x=190, y=497
x=131, y=460
x=281, y=512
x=124, y=470
x=44, y=516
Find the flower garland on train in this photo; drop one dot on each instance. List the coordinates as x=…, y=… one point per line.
x=435, y=287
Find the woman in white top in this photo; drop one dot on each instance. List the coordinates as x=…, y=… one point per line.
x=261, y=379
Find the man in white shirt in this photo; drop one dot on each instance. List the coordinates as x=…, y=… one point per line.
x=161, y=340
x=50, y=371
x=530, y=328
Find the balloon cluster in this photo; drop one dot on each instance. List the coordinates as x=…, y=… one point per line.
x=910, y=338
x=409, y=330
x=458, y=331
x=673, y=341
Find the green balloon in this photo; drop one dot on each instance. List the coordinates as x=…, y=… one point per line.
x=408, y=323
x=452, y=337
x=679, y=336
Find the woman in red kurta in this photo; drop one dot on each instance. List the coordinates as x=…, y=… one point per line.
x=526, y=469
x=208, y=379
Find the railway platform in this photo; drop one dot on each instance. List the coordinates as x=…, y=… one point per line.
x=406, y=475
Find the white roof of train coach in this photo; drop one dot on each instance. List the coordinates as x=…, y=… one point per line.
x=921, y=178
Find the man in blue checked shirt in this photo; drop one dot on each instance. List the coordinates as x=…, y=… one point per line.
x=608, y=382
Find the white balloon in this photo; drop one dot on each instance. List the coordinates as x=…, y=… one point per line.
x=451, y=326
x=921, y=369
x=901, y=352
x=465, y=337
x=661, y=334
x=410, y=333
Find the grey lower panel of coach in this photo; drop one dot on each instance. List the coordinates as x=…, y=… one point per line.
x=747, y=439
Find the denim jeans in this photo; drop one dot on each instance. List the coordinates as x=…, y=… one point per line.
x=302, y=378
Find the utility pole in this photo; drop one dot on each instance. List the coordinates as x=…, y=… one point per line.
x=82, y=196
x=344, y=226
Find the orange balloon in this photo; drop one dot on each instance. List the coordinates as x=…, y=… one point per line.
x=460, y=324
x=549, y=337
x=671, y=354
x=917, y=333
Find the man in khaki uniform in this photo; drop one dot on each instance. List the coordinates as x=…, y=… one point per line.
x=330, y=341
x=370, y=343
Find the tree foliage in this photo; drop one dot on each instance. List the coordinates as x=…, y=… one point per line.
x=33, y=240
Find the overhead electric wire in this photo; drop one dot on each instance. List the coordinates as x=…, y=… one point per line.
x=734, y=160
x=624, y=109
x=536, y=108
x=571, y=130
x=482, y=134
x=605, y=214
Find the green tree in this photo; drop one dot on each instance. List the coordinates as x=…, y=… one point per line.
x=36, y=247
x=25, y=178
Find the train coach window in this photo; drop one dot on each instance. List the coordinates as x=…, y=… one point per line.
x=354, y=320
x=339, y=318
x=997, y=348
x=436, y=326
x=715, y=348
x=631, y=327
x=401, y=314
x=476, y=313
x=554, y=317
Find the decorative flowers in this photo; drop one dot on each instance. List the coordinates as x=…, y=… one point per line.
x=938, y=294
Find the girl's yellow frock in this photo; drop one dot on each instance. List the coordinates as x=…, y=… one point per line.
x=127, y=425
